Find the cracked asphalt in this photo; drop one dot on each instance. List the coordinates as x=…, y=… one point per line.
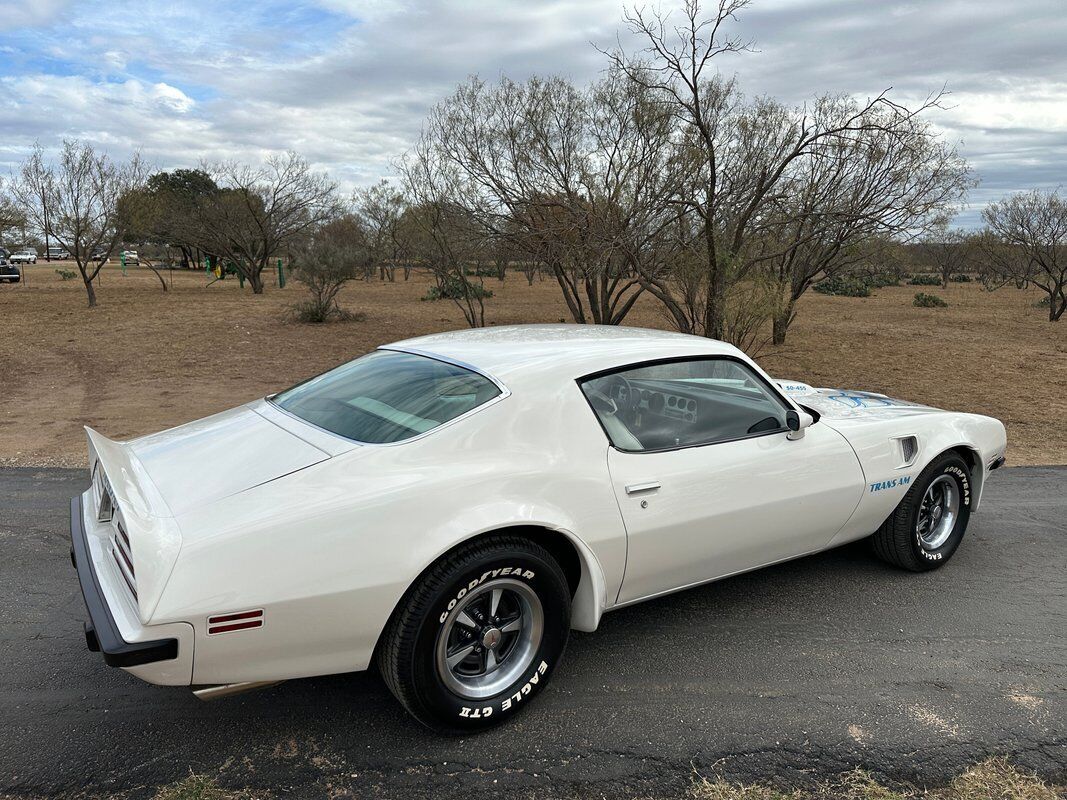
x=793, y=673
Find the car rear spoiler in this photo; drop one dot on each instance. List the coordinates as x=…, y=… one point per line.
x=155, y=538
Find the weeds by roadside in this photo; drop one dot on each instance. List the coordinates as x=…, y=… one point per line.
x=993, y=779
x=201, y=787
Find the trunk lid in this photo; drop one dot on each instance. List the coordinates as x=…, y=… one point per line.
x=219, y=456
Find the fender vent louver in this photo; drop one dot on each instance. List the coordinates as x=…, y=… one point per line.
x=909, y=448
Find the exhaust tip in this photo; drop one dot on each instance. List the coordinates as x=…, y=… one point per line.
x=220, y=690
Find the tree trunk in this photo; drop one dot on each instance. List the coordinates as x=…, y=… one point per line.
x=90, y=290
x=714, y=313
x=256, y=279
x=158, y=274
x=780, y=326
x=1056, y=305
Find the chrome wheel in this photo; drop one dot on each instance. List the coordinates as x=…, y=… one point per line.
x=490, y=638
x=938, y=512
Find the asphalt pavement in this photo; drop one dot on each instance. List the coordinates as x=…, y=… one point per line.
x=796, y=672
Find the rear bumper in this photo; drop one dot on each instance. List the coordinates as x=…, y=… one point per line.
x=102, y=633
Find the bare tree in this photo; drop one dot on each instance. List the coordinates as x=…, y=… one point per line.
x=444, y=236
x=333, y=255
x=890, y=177
x=739, y=154
x=947, y=249
x=573, y=179
x=260, y=211
x=1025, y=241
x=381, y=209
x=11, y=216
x=76, y=202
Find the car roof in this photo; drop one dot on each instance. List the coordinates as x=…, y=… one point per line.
x=560, y=351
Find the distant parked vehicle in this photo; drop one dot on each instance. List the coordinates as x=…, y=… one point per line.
x=130, y=257
x=9, y=273
x=100, y=255
x=57, y=254
x=24, y=257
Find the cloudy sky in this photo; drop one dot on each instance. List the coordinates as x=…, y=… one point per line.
x=346, y=82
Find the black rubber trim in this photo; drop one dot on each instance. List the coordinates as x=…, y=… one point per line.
x=997, y=463
x=101, y=629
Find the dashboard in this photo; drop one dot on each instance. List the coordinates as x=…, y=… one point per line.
x=668, y=405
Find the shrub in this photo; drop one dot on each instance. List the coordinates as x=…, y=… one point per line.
x=961, y=277
x=314, y=312
x=331, y=258
x=451, y=288
x=923, y=300
x=845, y=286
x=66, y=274
x=881, y=279
x=483, y=272
x=925, y=279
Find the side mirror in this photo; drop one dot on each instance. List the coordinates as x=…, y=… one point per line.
x=797, y=421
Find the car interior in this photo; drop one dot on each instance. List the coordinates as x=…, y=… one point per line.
x=387, y=397
x=683, y=404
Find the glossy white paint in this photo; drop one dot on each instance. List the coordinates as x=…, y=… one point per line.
x=731, y=507
x=255, y=509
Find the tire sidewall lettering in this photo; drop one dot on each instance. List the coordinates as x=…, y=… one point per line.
x=490, y=574
x=963, y=480
x=513, y=700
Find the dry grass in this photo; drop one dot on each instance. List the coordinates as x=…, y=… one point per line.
x=993, y=779
x=200, y=787
x=144, y=360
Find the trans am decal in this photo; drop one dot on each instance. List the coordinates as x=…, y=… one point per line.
x=892, y=483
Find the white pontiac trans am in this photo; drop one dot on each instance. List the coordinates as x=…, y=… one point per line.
x=450, y=506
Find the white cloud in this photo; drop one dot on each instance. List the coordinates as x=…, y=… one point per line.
x=347, y=82
x=28, y=13
x=171, y=98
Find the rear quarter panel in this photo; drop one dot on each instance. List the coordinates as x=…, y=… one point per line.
x=329, y=551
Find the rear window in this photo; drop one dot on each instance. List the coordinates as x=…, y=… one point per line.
x=387, y=396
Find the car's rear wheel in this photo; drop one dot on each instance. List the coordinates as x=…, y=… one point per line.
x=928, y=525
x=478, y=635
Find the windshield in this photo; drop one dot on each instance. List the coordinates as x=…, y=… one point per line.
x=387, y=396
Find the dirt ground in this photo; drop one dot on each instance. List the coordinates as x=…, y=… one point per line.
x=144, y=360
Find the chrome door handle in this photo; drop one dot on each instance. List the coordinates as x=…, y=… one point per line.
x=637, y=488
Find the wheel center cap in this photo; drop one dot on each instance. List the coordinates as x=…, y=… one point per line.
x=937, y=513
x=491, y=638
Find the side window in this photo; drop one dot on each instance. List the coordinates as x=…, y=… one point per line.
x=683, y=403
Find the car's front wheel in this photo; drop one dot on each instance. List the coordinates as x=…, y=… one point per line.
x=479, y=634
x=928, y=525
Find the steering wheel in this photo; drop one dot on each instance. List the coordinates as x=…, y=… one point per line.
x=620, y=391
x=612, y=396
